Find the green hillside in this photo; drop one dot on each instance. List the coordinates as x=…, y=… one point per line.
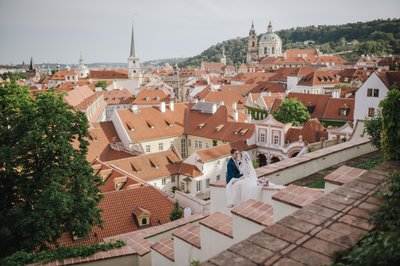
x=377, y=37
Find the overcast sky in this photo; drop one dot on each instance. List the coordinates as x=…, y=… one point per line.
x=51, y=30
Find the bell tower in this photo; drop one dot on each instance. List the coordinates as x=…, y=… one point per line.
x=134, y=71
x=252, y=49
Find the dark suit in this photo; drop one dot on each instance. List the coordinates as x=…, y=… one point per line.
x=232, y=171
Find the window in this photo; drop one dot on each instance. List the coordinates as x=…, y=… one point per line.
x=253, y=44
x=155, y=184
x=148, y=148
x=183, y=148
x=173, y=179
x=207, y=145
x=369, y=93
x=262, y=136
x=218, y=177
x=198, y=185
x=376, y=92
x=215, y=142
x=207, y=182
x=196, y=144
x=144, y=221
x=163, y=181
x=189, y=142
x=200, y=144
x=371, y=112
x=276, y=139
x=172, y=144
x=343, y=111
x=160, y=146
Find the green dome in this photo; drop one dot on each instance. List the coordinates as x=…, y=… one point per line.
x=270, y=37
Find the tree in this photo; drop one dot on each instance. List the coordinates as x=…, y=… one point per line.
x=102, y=83
x=176, y=212
x=373, y=126
x=390, y=142
x=47, y=186
x=292, y=111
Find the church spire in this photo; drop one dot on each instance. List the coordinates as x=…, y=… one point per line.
x=32, y=65
x=252, y=30
x=133, y=51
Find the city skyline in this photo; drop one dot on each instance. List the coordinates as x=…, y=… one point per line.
x=100, y=30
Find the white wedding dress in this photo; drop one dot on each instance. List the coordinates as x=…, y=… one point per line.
x=246, y=187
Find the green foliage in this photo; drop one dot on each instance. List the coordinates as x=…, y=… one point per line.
x=371, y=163
x=256, y=113
x=292, y=111
x=373, y=127
x=390, y=142
x=102, y=83
x=47, y=186
x=61, y=253
x=377, y=37
x=255, y=163
x=13, y=76
x=317, y=184
x=380, y=247
x=195, y=263
x=176, y=212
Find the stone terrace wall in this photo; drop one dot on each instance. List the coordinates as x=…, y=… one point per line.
x=311, y=235
x=292, y=169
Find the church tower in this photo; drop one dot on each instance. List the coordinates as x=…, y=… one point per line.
x=252, y=49
x=223, y=58
x=134, y=71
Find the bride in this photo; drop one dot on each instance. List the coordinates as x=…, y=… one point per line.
x=247, y=186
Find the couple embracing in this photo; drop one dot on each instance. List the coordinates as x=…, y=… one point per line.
x=241, y=179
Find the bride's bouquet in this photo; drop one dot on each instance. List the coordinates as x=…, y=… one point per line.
x=262, y=181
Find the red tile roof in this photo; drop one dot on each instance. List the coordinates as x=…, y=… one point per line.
x=117, y=213
x=311, y=132
x=108, y=74
x=118, y=96
x=391, y=78
x=102, y=134
x=301, y=52
x=151, y=97
x=269, y=87
x=318, y=78
x=220, y=151
x=149, y=166
x=298, y=196
x=333, y=107
x=317, y=102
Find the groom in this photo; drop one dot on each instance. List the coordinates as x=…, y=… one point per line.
x=232, y=175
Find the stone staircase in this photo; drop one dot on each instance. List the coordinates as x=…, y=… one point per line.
x=223, y=230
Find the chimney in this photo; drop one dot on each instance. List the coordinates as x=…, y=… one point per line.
x=222, y=103
x=214, y=108
x=248, y=118
x=196, y=100
x=134, y=109
x=171, y=106
x=234, y=106
x=235, y=115
x=162, y=107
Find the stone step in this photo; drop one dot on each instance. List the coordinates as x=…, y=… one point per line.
x=250, y=217
x=339, y=177
x=187, y=244
x=162, y=252
x=215, y=234
x=293, y=198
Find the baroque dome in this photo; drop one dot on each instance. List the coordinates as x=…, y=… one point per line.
x=270, y=37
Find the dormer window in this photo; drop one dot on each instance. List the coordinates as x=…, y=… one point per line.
x=201, y=125
x=343, y=111
x=219, y=128
x=141, y=216
x=158, y=98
